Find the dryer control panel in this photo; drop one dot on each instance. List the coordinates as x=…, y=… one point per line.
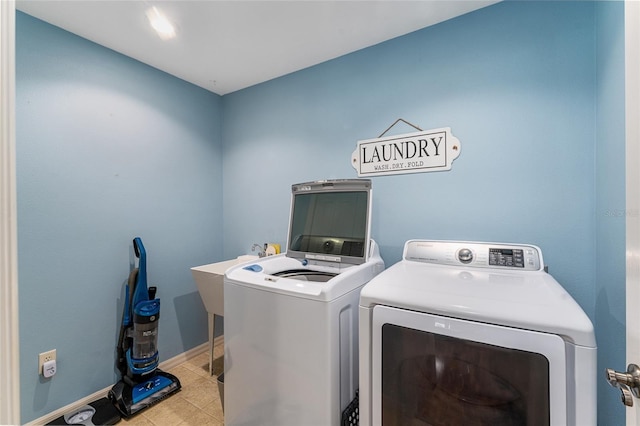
x=522, y=257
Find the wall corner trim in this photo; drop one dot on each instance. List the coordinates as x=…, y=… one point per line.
x=9, y=338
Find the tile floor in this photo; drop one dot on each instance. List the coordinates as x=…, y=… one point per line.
x=196, y=404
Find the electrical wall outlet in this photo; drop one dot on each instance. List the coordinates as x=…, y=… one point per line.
x=45, y=357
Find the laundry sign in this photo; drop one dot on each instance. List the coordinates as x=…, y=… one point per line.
x=419, y=152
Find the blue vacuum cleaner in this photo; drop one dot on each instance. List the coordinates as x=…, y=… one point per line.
x=143, y=383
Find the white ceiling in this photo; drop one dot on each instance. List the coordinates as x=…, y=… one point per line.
x=224, y=46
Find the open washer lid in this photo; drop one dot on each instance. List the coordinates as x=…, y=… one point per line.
x=330, y=221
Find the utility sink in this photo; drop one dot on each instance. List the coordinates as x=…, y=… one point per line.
x=210, y=281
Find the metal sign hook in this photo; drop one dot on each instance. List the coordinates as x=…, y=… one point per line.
x=396, y=122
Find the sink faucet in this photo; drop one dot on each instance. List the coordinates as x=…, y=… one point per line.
x=262, y=250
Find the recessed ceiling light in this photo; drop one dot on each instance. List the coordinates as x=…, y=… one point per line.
x=160, y=23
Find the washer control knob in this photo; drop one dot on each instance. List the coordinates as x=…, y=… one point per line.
x=328, y=246
x=465, y=255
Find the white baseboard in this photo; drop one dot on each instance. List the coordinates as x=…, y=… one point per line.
x=166, y=365
x=186, y=356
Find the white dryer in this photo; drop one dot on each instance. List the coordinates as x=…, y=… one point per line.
x=474, y=334
x=291, y=320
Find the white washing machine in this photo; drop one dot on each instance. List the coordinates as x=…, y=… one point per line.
x=291, y=320
x=475, y=334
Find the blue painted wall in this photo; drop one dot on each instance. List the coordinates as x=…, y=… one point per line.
x=516, y=84
x=522, y=85
x=610, y=205
x=107, y=149
x=533, y=91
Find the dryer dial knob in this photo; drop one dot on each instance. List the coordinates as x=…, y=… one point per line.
x=465, y=255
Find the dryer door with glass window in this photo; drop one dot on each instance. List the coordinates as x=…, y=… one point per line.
x=432, y=370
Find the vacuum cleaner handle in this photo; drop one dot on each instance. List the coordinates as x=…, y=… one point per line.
x=138, y=248
x=140, y=293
